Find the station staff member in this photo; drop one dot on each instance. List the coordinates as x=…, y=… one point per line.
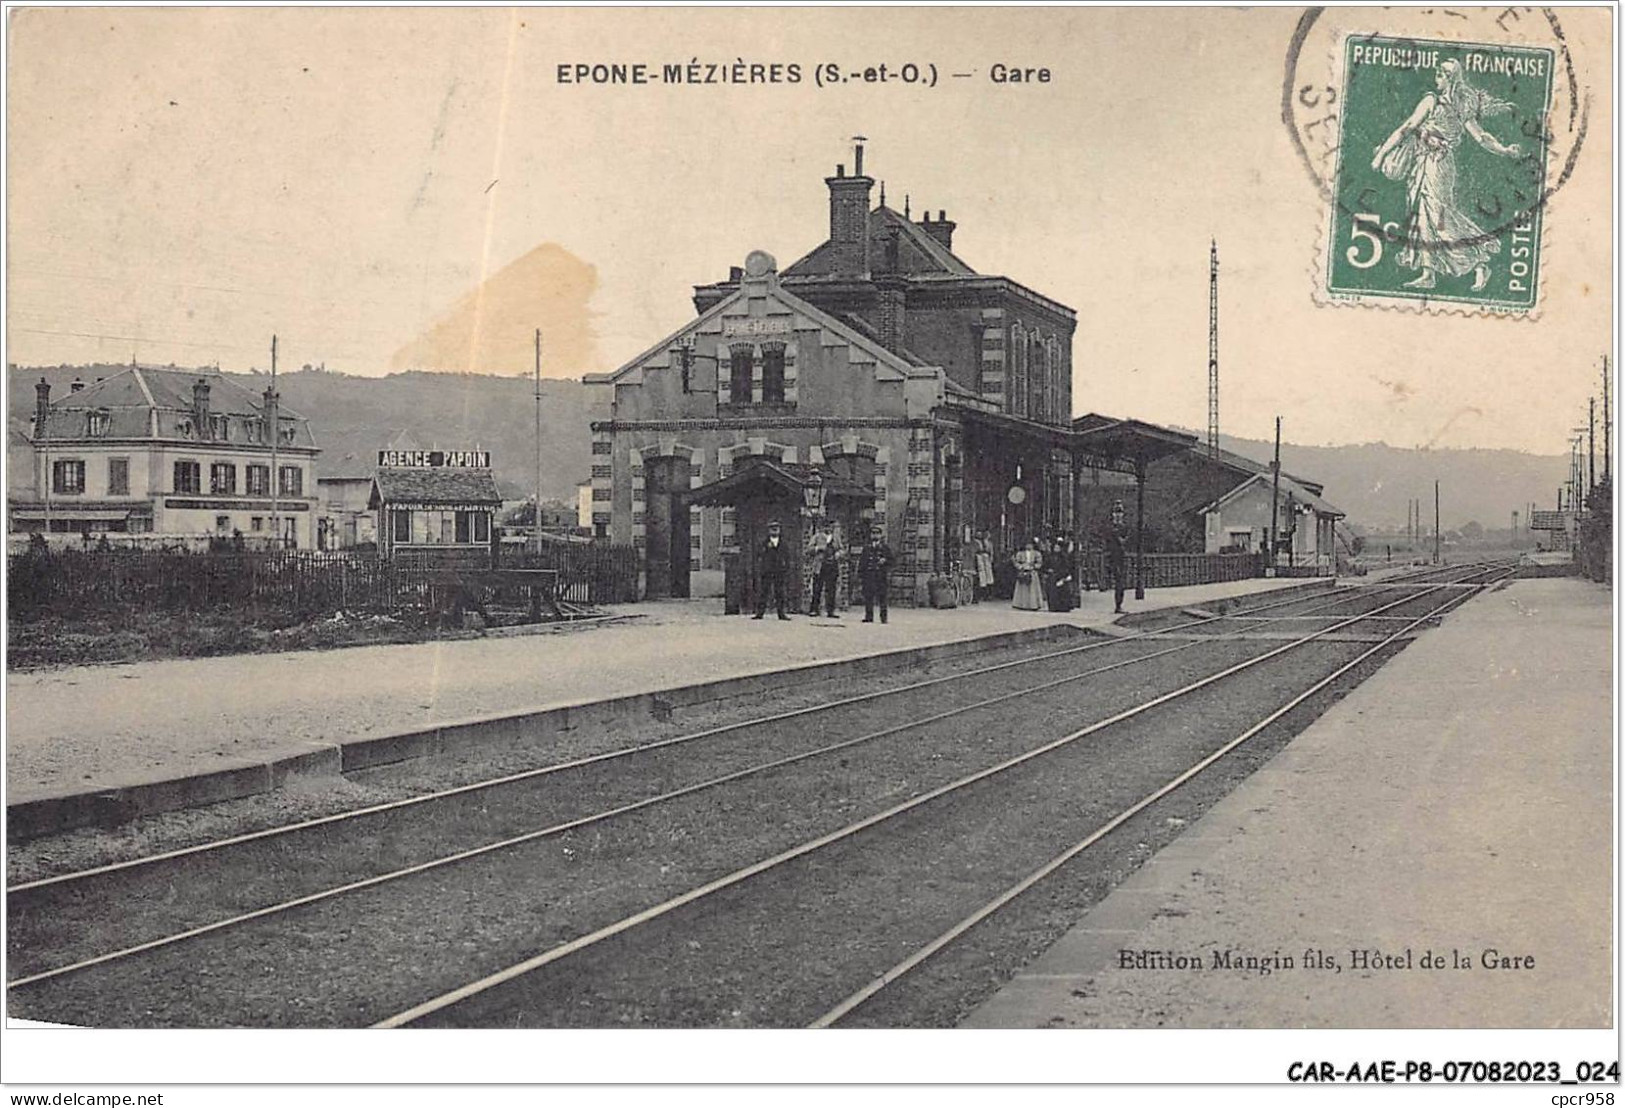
x=772, y=564
x=1117, y=537
x=873, y=566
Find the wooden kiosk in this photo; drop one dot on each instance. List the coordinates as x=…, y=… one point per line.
x=797, y=496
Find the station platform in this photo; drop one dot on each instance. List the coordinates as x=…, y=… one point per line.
x=1460, y=802
x=218, y=728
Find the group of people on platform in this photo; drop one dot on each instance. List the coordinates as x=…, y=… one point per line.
x=823, y=556
x=1050, y=569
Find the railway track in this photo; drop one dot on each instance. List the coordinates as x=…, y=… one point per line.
x=153, y=882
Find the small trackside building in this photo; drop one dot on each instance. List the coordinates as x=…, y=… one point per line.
x=433, y=512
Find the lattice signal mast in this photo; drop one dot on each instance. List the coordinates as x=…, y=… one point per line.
x=1213, y=351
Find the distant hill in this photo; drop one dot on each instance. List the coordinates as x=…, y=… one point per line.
x=1373, y=482
x=354, y=417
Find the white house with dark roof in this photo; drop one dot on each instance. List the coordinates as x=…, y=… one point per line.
x=168, y=451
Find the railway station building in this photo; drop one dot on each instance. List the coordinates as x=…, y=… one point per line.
x=880, y=359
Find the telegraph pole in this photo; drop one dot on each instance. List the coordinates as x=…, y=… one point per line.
x=1607, y=427
x=1435, y=523
x=1213, y=351
x=536, y=521
x=1275, y=494
x=1591, y=445
x=273, y=428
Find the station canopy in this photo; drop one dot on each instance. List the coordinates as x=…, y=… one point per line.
x=1126, y=444
x=760, y=478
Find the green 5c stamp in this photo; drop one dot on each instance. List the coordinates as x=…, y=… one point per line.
x=1439, y=187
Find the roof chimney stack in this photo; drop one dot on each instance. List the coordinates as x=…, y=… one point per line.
x=42, y=406
x=77, y=386
x=200, y=406
x=849, y=217
x=941, y=229
x=857, y=156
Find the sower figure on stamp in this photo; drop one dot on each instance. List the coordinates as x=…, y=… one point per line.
x=772, y=564
x=1116, y=543
x=824, y=553
x=1440, y=237
x=873, y=566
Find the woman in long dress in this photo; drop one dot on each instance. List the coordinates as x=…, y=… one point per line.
x=1029, y=595
x=1439, y=236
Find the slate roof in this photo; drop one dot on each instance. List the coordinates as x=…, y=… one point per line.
x=129, y=397
x=918, y=253
x=790, y=477
x=1290, y=488
x=429, y=486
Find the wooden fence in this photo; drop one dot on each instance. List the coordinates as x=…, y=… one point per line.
x=306, y=583
x=589, y=573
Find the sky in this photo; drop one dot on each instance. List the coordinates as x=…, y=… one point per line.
x=388, y=189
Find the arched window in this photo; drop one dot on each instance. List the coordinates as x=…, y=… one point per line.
x=773, y=373
x=1038, y=370
x=739, y=373
x=1018, y=370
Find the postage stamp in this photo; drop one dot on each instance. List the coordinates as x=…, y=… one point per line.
x=1440, y=180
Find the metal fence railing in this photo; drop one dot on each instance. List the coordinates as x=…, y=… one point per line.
x=1162, y=571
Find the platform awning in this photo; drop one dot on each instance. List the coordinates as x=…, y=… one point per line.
x=771, y=479
x=1109, y=443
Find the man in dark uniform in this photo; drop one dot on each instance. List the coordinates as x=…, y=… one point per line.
x=1117, y=538
x=873, y=566
x=772, y=564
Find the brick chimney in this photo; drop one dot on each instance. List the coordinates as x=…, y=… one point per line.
x=200, y=406
x=76, y=386
x=942, y=229
x=849, y=216
x=891, y=310
x=42, y=406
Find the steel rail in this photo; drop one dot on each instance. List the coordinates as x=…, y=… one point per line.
x=935, y=946
x=583, y=821
x=592, y=938
x=557, y=829
x=577, y=763
x=561, y=828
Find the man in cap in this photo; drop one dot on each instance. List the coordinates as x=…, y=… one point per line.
x=873, y=566
x=1117, y=536
x=772, y=564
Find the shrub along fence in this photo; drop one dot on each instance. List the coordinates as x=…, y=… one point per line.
x=306, y=583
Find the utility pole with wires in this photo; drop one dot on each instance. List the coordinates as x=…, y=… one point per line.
x=273, y=428
x=1275, y=497
x=1591, y=446
x=1213, y=350
x=1607, y=427
x=1435, y=523
x=536, y=520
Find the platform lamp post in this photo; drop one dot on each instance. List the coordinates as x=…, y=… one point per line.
x=812, y=499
